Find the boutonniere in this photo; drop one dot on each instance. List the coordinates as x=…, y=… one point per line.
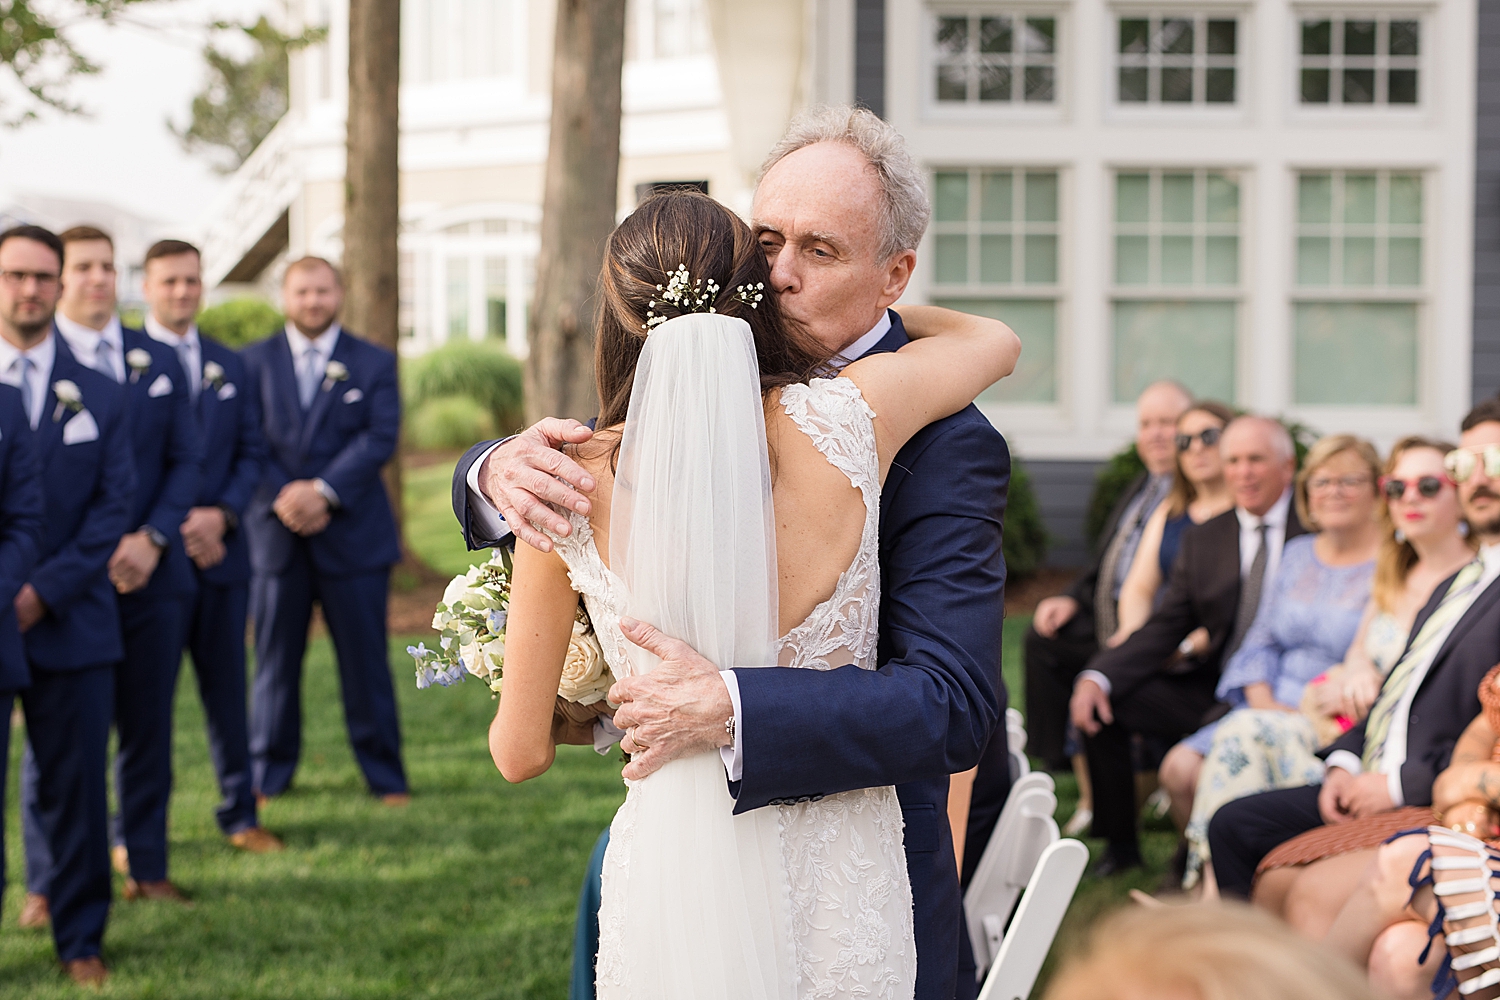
x=68, y=398
x=139, y=361
x=336, y=371
x=213, y=376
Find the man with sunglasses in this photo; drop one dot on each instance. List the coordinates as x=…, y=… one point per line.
x=1392, y=758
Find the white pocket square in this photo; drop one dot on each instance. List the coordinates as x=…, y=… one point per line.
x=353, y=396
x=80, y=429
x=228, y=391
x=161, y=387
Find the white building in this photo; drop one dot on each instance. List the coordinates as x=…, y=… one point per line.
x=1274, y=202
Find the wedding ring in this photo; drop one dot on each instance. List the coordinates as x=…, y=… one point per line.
x=637, y=741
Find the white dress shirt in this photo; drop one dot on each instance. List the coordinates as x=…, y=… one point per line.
x=193, y=369
x=42, y=357
x=84, y=342
x=1395, y=738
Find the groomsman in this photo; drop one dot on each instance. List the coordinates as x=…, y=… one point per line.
x=67, y=611
x=321, y=529
x=149, y=569
x=233, y=449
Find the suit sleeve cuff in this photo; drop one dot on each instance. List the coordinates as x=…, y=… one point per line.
x=734, y=762
x=486, y=518
x=327, y=493
x=1346, y=760
x=1097, y=678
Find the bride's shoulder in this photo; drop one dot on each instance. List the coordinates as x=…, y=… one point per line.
x=838, y=399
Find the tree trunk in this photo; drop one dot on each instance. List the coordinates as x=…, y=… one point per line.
x=372, y=208
x=578, y=206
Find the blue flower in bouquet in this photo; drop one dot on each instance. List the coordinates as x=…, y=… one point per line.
x=496, y=621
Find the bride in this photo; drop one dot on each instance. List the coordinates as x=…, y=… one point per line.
x=737, y=509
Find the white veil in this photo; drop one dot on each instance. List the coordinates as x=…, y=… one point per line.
x=696, y=899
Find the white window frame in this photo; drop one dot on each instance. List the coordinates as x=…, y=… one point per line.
x=1201, y=61
x=1335, y=106
x=1018, y=106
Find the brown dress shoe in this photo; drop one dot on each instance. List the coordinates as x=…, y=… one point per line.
x=256, y=840
x=163, y=891
x=396, y=800
x=35, y=914
x=87, y=972
x=119, y=859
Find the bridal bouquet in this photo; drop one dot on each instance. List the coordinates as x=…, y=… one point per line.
x=470, y=622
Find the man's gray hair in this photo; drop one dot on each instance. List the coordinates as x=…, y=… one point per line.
x=1276, y=432
x=905, y=211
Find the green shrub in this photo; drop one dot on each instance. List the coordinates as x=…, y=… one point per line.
x=481, y=370
x=1025, y=538
x=240, y=322
x=446, y=422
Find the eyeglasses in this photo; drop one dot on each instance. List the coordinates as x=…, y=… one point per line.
x=1427, y=486
x=1343, y=484
x=1461, y=463
x=44, y=279
x=1209, y=436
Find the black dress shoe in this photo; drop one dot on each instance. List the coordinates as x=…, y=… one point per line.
x=1116, y=859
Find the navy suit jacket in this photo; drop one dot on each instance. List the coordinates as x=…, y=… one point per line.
x=233, y=452
x=21, y=513
x=344, y=439
x=90, y=488
x=168, y=459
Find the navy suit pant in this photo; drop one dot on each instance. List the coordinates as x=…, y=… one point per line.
x=354, y=606
x=216, y=641
x=65, y=811
x=1244, y=831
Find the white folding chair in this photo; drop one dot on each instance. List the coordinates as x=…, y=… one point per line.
x=1043, y=905
x=1015, y=733
x=1024, y=830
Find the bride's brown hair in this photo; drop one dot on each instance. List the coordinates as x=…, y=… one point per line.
x=687, y=229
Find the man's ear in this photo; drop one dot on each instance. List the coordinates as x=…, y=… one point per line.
x=897, y=275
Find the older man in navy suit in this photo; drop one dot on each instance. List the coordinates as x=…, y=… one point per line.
x=233, y=450
x=149, y=569
x=839, y=211
x=321, y=529
x=67, y=610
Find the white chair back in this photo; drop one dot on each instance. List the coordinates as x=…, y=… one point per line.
x=1015, y=732
x=1045, y=902
x=1025, y=829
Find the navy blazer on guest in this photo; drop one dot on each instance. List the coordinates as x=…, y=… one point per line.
x=168, y=458
x=344, y=438
x=90, y=488
x=233, y=452
x=21, y=519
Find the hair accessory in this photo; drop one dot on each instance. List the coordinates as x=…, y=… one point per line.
x=688, y=295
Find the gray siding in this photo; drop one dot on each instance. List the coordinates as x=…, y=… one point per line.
x=1062, y=493
x=869, y=54
x=1487, y=207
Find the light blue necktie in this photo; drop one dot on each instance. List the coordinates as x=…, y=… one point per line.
x=25, y=365
x=308, y=378
x=103, y=362
x=185, y=356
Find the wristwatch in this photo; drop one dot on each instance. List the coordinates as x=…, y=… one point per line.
x=157, y=538
x=729, y=731
x=231, y=519
x=326, y=492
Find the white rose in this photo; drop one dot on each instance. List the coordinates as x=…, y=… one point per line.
x=336, y=371
x=213, y=373
x=138, y=359
x=67, y=391
x=454, y=592
x=585, y=677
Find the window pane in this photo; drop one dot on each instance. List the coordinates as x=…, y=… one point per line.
x=1176, y=36
x=1041, y=260
x=1317, y=38
x=1177, y=198
x=995, y=197
x=1221, y=37
x=994, y=34
x=1315, y=88
x=1404, y=38
x=1359, y=38
x=1176, y=260
x=1406, y=199
x=1132, y=260
x=458, y=297
x=1192, y=342
x=952, y=260
x=1040, y=83
x=952, y=83
x=494, y=296
x=994, y=83
x=1133, y=34
x=1222, y=258
x=1355, y=353
x=1314, y=260
x=1176, y=84
x=1314, y=198
x=1035, y=322
x=1041, y=197
x=994, y=260
x=1404, y=261
x=1359, y=86
x=1219, y=86
x=1223, y=199
x=1359, y=260
x=1132, y=197
x=1401, y=86
x=1133, y=84
x=1359, y=198
x=1040, y=35
x=951, y=197
x=952, y=35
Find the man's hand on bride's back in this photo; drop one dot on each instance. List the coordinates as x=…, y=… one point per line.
x=677, y=710
x=526, y=473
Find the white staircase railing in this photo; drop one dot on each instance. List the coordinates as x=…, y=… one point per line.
x=251, y=203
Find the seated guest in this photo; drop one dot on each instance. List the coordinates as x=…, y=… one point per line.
x=1305, y=624
x=1145, y=685
x=1392, y=758
x=1199, y=494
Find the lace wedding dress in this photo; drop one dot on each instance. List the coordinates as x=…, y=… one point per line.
x=807, y=900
